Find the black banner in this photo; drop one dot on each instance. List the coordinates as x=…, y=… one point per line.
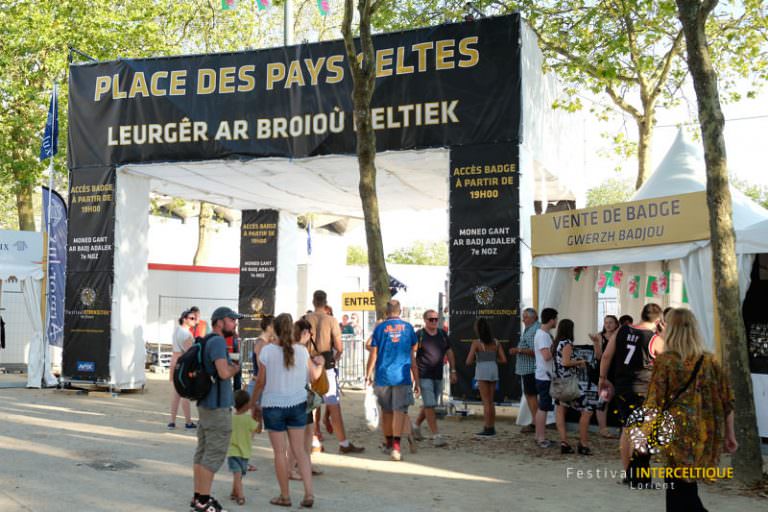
x=258, y=269
x=484, y=257
x=433, y=89
x=90, y=248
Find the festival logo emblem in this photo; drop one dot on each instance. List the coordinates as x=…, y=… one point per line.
x=256, y=304
x=88, y=296
x=484, y=295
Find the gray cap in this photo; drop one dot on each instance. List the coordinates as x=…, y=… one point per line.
x=224, y=312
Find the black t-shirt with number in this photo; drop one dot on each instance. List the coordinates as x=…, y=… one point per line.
x=632, y=360
x=431, y=353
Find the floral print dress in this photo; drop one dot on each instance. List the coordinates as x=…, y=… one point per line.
x=699, y=413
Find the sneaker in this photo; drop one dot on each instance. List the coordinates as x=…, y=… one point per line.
x=487, y=432
x=210, y=506
x=171, y=426
x=386, y=450
x=351, y=449
x=546, y=443
x=190, y=426
x=396, y=455
x=417, y=434
x=439, y=441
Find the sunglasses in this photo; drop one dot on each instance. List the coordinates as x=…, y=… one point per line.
x=432, y=319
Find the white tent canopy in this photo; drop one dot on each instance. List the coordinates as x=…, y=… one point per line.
x=689, y=263
x=21, y=260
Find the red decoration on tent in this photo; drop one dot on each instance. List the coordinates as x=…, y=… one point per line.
x=617, y=275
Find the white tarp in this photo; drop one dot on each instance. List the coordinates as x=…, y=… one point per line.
x=129, y=292
x=21, y=259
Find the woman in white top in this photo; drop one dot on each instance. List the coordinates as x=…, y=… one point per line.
x=285, y=369
x=182, y=340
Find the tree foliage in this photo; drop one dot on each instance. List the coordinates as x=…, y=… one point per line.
x=421, y=253
x=613, y=190
x=357, y=255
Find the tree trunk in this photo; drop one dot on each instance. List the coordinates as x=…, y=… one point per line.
x=747, y=461
x=644, y=138
x=204, y=222
x=24, y=208
x=364, y=80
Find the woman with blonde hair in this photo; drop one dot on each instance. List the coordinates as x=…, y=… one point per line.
x=689, y=384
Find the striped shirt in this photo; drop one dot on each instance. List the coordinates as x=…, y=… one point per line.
x=525, y=364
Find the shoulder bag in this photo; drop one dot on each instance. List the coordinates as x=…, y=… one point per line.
x=565, y=389
x=321, y=384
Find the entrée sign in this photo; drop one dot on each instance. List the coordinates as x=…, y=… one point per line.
x=661, y=220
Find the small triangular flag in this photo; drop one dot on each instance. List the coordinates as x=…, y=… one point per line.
x=652, y=286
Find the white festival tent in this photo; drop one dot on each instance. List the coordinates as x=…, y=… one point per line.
x=682, y=171
x=21, y=255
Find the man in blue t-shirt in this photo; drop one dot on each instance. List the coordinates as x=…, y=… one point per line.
x=215, y=424
x=393, y=355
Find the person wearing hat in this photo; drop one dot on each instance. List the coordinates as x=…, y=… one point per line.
x=215, y=422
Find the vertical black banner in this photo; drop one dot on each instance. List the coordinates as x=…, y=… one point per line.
x=484, y=257
x=258, y=269
x=90, y=272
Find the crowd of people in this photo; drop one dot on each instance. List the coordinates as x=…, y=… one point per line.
x=654, y=365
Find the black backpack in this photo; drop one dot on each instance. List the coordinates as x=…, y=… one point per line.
x=190, y=378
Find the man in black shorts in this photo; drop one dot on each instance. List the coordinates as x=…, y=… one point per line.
x=629, y=359
x=525, y=363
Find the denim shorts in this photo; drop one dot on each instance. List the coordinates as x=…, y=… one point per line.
x=237, y=465
x=545, y=400
x=431, y=389
x=280, y=419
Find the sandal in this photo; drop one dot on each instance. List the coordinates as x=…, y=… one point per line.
x=608, y=435
x=281, y=501
x=583, y=450
x=317, y=471
x=240, y=501
x=412, y=443
x=308, y=501
x=565, y=448
x=294, y=475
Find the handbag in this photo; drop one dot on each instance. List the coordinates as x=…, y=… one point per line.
x=650, y=429
x=565, y=389
x=321, y=384
x=314, y=400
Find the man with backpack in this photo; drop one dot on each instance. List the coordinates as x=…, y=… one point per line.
x=215, y=423
x=432, y=348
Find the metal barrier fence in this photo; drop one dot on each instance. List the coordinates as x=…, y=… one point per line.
x=352, y=363
x=351, y=366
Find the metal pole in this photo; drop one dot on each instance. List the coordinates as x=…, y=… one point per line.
x=288, y=23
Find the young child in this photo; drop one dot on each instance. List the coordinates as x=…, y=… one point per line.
x=243, y=429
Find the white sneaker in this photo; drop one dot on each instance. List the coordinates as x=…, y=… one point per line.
x=439, y=441
x=417, y=434
x=396, y=456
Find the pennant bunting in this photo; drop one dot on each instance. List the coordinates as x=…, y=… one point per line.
x=634, y=287
x=652, y=286
x=262, y=4
x=228, y=5
x=323, y=7
x=664, y=283
x=685, y=294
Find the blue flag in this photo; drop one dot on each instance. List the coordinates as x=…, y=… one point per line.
x=57, y=264
x=50, y=143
